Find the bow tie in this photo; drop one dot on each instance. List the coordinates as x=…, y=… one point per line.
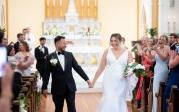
x=61, y=53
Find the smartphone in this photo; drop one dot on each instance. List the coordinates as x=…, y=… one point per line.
x=3, y=60
x=177, y=48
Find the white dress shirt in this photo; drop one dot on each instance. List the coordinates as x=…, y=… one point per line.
x=61, y=59
x=42, y=48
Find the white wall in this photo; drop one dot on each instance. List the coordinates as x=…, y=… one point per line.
x=118, y=16
x=168, y=17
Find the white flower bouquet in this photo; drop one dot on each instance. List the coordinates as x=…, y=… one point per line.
x=136, y=68
x=54, y=62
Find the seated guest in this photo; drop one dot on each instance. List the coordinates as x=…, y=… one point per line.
x=41, y=53
x=20, y=38
x=21, y=66
x=174, y=75
x=22, y=56
x=11, y=55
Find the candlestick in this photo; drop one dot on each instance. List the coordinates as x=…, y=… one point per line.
x=168, y=26
x=174, y=24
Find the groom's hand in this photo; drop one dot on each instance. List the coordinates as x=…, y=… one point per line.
x=90, y=85
x=45, y=93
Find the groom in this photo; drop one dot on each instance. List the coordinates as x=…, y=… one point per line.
x=60, y=64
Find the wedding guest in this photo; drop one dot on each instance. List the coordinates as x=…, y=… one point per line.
x=11, y=55
x=173, y=41
x=29, y=38
x=160, y=55
x=20, y=38
x=173, y=77
x=5, y=42
x=41, y=53
x=23, y=55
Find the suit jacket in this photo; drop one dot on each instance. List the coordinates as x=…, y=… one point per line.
x=40, y=57
x=62, y=79
x=16, y=47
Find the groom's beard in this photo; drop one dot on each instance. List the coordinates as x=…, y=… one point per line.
x=60, y=49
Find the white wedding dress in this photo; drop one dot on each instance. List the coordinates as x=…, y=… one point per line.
x=116, y=88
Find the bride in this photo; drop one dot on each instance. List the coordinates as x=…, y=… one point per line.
x=115, y=84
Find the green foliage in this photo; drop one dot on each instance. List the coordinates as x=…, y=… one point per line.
x=152, y=32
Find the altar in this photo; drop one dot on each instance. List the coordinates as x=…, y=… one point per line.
x=84, y=40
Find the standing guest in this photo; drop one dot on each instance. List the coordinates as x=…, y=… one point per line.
x=23, y=55
x=5, y=41
x=20, y=38
x=41, y=53
x=160, y=55
x=11, y=55
x=173, y=77
x=29, y=38
x=173, y=41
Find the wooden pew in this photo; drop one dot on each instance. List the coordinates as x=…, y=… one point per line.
x=173, y=102
x=159, y=96
x=33, y=90
x=150, y=95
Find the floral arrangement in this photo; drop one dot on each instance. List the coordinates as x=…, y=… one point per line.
x=136, y=68
x=152, y=32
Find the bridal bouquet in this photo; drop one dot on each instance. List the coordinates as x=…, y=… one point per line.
x=136, y=68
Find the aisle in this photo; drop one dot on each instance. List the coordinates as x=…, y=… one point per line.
x=84, y=102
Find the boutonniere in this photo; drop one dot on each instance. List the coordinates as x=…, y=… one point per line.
x=54, y=61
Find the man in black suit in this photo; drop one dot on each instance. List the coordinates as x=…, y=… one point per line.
x=173, y=41
x=20, y=38
x=60, y=64
x=41, y=53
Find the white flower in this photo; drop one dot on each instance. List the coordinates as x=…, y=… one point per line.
x=53, y=61
x=130, y=71
x=139, y=66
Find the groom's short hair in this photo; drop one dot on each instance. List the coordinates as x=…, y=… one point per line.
x=58, y=38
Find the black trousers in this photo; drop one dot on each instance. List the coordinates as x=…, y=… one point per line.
x=59, y=101
x=41, y=71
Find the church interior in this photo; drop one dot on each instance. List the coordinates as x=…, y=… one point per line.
x=149, y=30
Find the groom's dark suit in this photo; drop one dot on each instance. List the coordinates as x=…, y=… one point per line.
x=63, y=84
